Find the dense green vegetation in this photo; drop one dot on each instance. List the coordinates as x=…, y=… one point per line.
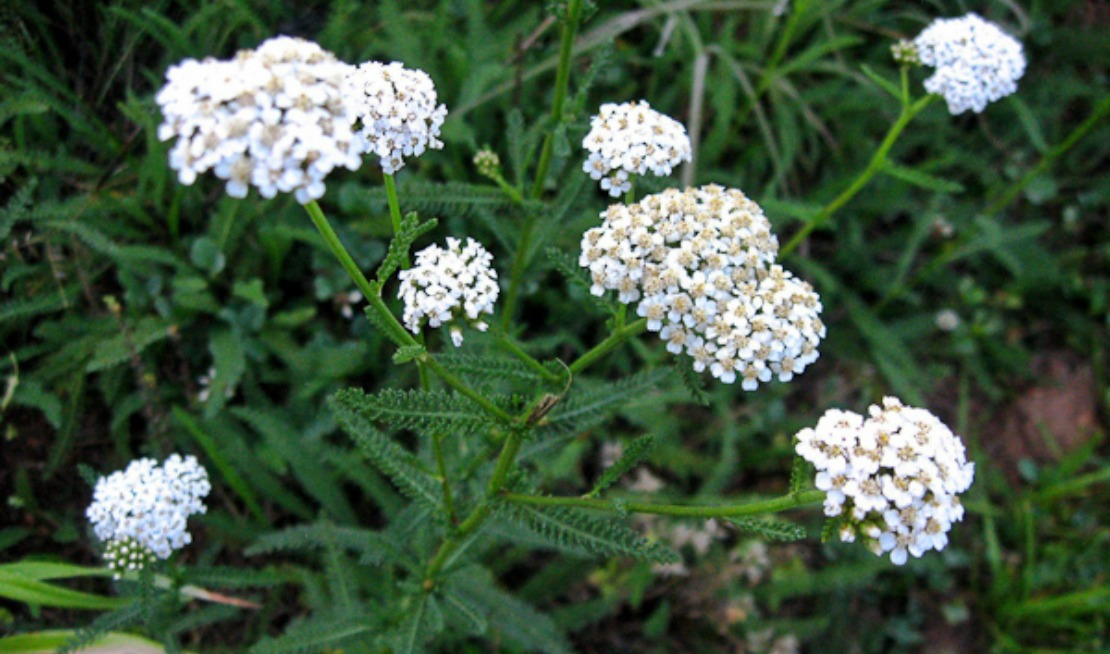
x=140, y=317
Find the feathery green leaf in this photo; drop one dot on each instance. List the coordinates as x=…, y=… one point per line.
x=633, y=455
x=776, y=530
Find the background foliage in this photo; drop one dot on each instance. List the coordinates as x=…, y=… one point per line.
x=140, y=317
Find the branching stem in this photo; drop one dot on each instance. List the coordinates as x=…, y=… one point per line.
x=774, y=505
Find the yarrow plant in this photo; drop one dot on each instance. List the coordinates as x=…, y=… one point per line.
x=141, y=512
x=629, y=139
x=449, y=285
x=275, y=118
x=701, y=265
x=976, y=62
x=892, y=479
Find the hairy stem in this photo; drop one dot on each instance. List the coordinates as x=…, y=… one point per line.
x=562, y=81
x=527, y=359
x=394, y=211
x=773, y=505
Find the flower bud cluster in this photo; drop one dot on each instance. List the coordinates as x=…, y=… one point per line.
x=449, y=284
x=632, y=139
x=126, y=554
x=397, y=110
x=892, y=478
x=701, y=265
x=274, y=118
x=145, y=507
x=975, y=61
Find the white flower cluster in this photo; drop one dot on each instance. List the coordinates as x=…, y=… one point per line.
x=701, y=265
x=398, y=111
x=892, y=478
x=631, y=139
x=273, y=118
x=444, y=285
x=975, y=61
x=143, y=509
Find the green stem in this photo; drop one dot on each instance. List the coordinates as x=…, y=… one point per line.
x=478, y=516
x=525, y=358
x=394, y=211
x=444, y=481
x=516, y=276
x=878, y=160
x=394, y=330
x=601, y=349
x=562, y=81
x=773, y=505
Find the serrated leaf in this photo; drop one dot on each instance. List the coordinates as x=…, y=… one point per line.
x=778, y=531
x=407, y=353
x=487, y=368
x=229, y=362
x=422, y=623
x=587, y=409
x=399, y=246
x=395, y=462
x=693, y=382
x=509, y=618
x=921, y=179
x=797, y=474
x=426, y=411
x=375, y=547
x=576, y=531
x=122, y=347
x=315, y=636
x=633, y=455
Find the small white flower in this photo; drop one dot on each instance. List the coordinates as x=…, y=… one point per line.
x=631, y=138
x=141, y=511
x=397, y=111
x=445, y=285
x=947, y=320
x=976, y=62
x=701, y=265
x=273, y=118
x=892, y=478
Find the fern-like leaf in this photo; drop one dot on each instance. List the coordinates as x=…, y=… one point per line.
x=122, y=347
x=511, y=619
x=397, y=463
x=411, y=229
x=375, y=547
x=776, y=530
x=422, y=623
x=484, y=368
x=316, y=635
x=797, y=474
x=568, y=267
x=18, y=208
x=122, y=617
x=633, y=455
x=693, y=382
x=587, y=409
x=425, y=411
x=233, y=577
x=576, y=531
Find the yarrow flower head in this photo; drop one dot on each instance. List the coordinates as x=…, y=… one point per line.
x=445, y=285
x=700, y=264
x=975, y=61
x=273, y=118
x=891, y=479
x=140, y=512
x=632, y=139
x=397, y=109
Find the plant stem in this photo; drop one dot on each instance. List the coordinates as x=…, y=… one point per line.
x=459, y=385
x=773, y=505
x=878, y=160
x=444, y=481
x=525, y=358
x=478, y=516
x=394, y=211
x=601, y=349
x=562, y=81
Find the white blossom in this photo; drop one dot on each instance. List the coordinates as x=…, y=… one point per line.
x=273, y=118
x=141, y=512
x=700, y=266
x=892, y=479
x=397, y=111
x=449, y=284
x=975, y=61
x=631, y=138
